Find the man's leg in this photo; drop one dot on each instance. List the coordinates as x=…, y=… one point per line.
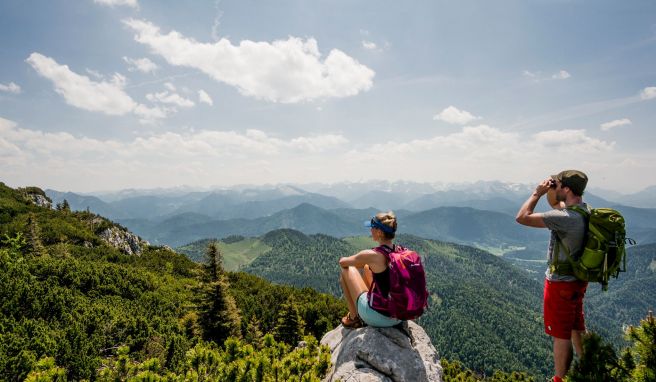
x=576, y=341
x=562, y=355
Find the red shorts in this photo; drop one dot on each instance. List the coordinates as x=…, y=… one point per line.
x=563, y=307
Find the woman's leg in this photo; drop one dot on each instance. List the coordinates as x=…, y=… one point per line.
x=353, y=285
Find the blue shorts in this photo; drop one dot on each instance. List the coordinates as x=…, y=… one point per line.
x=372, y=317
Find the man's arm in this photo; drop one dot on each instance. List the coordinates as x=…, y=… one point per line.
x=525, y=215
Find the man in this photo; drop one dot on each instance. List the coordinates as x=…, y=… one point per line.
x=563, y=293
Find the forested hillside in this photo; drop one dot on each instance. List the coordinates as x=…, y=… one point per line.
x=478, y=300
x=477, y=303
x=74, y=304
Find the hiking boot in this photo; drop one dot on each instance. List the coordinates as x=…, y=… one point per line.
x=352, y=323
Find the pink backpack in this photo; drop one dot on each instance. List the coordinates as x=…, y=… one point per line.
x=407, y=296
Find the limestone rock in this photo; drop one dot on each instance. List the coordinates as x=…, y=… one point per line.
x=382, y=354
x=124, y=241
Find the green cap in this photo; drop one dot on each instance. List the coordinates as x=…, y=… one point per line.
x=574, y=179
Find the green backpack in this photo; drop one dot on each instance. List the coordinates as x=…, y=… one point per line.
x=604, y=252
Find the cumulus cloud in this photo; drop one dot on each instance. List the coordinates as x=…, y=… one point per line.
x=143, y=65
x=455, y=116
x=170, y=98
x=287, y=71
x=618, y=122
x=113, y=3
x=204, y=97
x=369, y=45
x=80, y=91
x=561, y=75
x=208, y=157
x=571, y=140
x=648, y=93
x=10, y=88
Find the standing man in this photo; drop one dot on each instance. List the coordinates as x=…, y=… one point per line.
x=563, y=293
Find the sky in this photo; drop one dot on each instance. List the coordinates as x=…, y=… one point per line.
x=114, y=94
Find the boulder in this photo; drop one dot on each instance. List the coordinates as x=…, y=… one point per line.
x=370, y=354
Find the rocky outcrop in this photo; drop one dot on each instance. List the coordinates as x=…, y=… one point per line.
x=124, y=241
x=382, y=354
x=36, y=196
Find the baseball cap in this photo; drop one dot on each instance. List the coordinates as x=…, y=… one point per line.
x=574, y=179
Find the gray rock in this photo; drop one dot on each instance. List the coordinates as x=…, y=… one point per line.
x=382, y=354
x=124, y=241
x=40, y=200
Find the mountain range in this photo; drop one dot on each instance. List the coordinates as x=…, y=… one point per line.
x=479, y=214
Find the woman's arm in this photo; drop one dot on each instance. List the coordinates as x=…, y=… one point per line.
x=374, y=259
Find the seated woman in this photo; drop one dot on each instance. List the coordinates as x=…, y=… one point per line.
x=373, y=263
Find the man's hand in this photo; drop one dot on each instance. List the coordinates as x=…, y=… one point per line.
x=543, y=187
x=525, y=215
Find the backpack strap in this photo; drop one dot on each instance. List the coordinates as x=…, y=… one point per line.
x=567, y=268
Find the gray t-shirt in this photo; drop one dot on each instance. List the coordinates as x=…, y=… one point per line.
x=569, y=226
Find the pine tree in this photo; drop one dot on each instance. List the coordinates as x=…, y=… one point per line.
x=643, y=352
x=253, y=334
x=218, y=313
x=213, y=262
x=34, y=244
x=290, y=326
x=597, y=363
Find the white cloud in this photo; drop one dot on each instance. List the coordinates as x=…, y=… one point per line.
x=10, y=88
x=204, y=157
x=455, y=116
x=540, y=77
x=286, y=71
x=369, y=45
x=112, y=3
x=204, y=97
x=561, y=75
x=529, y=74
x=618, y=122
x=170, y=98
x=143, y=65
x=169, y=86
x=571, y=140
x=648, y=93
x=80, y=91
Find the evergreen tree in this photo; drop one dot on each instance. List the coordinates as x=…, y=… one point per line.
x=34, y=244
x=253, y=334
x=642, y=355
x=218, y=313
x=213, y=262
x=290, y=326
x=598, y=362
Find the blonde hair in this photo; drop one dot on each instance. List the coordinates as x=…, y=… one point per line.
x=389, y=219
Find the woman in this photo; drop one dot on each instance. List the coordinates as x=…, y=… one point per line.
x=373, y=263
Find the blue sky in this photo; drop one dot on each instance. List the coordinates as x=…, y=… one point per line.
x=111, y=94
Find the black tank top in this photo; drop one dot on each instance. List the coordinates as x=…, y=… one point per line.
x=382, y=278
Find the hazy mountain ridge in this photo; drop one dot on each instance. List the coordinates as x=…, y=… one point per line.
x=176, y=218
